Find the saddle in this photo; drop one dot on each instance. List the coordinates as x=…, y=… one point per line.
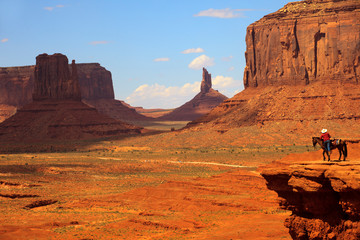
x=335, y=142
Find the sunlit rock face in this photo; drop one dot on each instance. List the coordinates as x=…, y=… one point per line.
x=324, y=198
x=304, y=42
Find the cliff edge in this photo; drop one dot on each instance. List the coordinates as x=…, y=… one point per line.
x=324, y=197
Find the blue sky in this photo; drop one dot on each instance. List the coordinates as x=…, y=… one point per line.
x=155, y=49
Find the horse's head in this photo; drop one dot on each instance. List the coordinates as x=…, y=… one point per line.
x=314, y=140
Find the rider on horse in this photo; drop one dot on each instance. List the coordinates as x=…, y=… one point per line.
x=325, y=136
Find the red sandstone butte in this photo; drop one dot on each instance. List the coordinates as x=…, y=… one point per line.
x=96, y=88
x=57, y=111
x=201, y=104
x=304, y=42
x=302, y=67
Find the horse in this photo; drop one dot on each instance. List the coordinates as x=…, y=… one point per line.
x=338, y=143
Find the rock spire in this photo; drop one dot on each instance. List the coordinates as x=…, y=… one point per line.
x=53, y=79
x=206, y=81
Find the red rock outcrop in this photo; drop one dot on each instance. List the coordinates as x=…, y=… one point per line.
x=294, y=73
x=53, y=79
x=97, y=91
x=16, y=87
x=95, y=81
x=57, y=111
x=324, y=197
x=201, y=104
x=206, y=83
x=304, y=42
x=96, y=88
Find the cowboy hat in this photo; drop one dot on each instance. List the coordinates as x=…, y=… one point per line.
x=324, y=130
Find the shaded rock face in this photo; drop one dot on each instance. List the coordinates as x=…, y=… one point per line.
x=16, y=85
x=205, y=82
x=57, y=111
x=53, y=79
x=95, y=81
x=324, y=198
x=304, y=42
x=201, y=104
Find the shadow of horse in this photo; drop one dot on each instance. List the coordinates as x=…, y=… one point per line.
x=338, y=143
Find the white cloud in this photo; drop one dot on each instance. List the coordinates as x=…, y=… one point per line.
x=193, y=50
x=98, y=42
x=4, y=40
x=52, y=8
x=161, y=59
x=202, y=61
x=227, y=59
x=222, y=13
x=160, y=96
x=227, y=85
x=49, y=8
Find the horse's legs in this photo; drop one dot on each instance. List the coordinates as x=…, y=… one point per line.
x=324, y=155
x=340, y=153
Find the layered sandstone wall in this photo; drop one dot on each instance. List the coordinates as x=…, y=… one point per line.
x=17, y=83
x=53, y=79
x=95, y=81
x=57, y=111
x=304, y=42
x=324, y=198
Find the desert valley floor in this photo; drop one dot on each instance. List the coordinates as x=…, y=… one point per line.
x=123, y=189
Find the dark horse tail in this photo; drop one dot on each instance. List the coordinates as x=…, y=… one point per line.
x=345, y=149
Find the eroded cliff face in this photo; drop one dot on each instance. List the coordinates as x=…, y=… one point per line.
x=57, y=111
x=304, y=42
x=95, y=81
x=324, y=198
x=302, y=66
x=53, y=79
x=16, y=85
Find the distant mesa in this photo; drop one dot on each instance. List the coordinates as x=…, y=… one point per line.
x=302, y=65
x=57, y=111
x=201, y=104
x=95, y=83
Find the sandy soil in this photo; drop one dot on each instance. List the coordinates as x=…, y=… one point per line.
x=125, y=189
x=98, y=195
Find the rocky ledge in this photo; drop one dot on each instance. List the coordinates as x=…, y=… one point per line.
x=324, y=198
